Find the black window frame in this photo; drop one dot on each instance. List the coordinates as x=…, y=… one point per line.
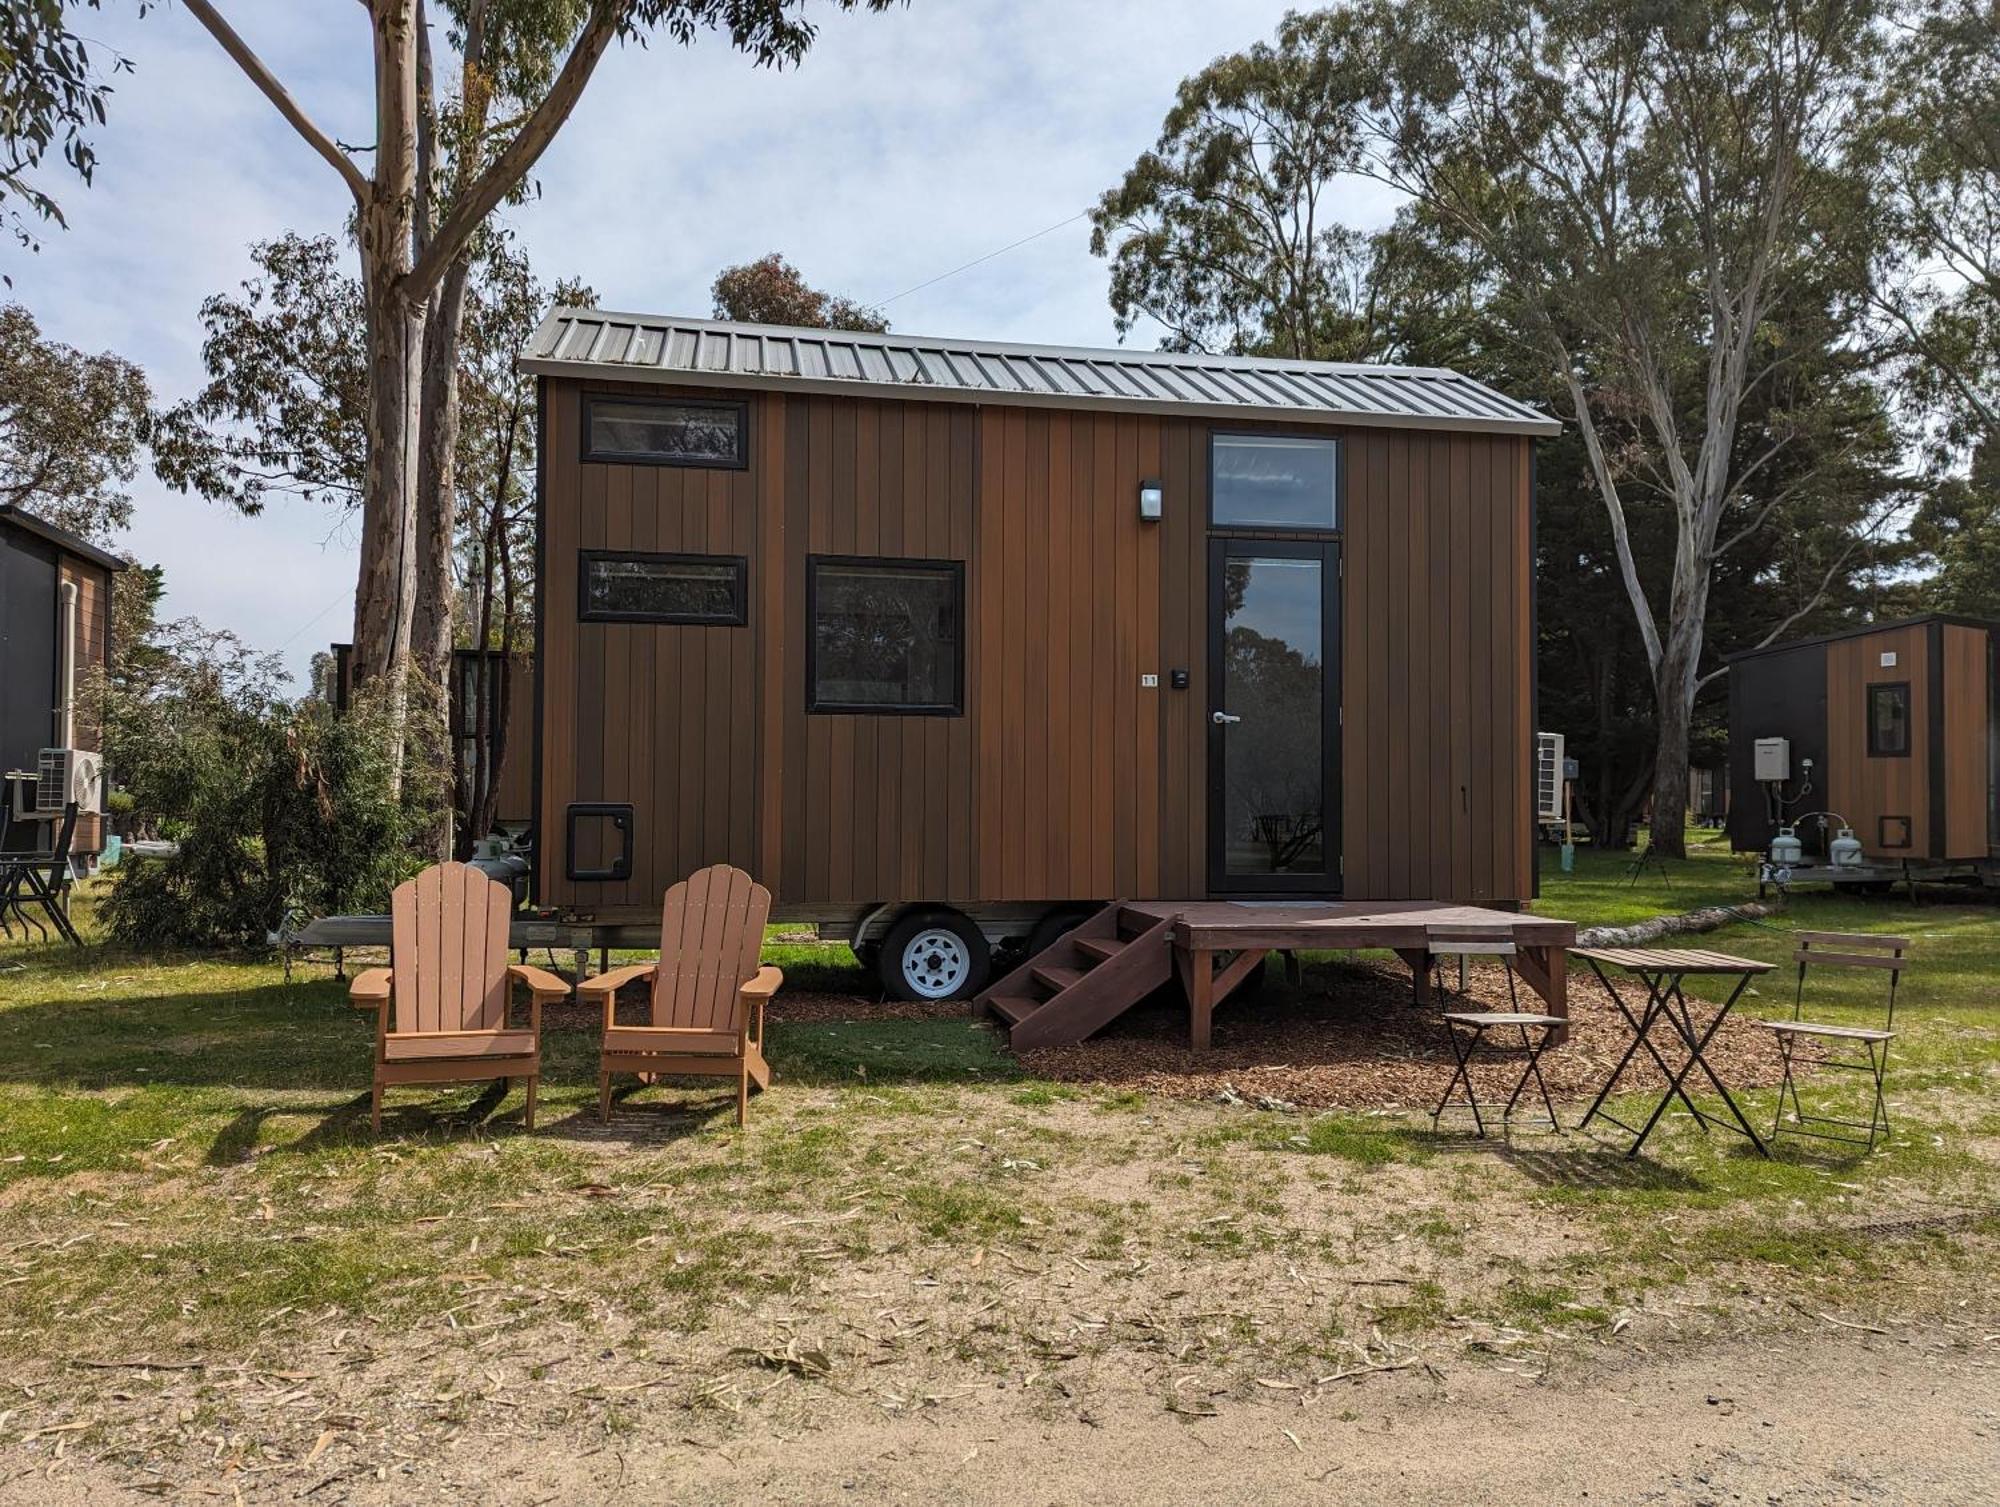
x=740, y=594
x=818, y=708
x=1334, y=530
x=1875, y=750
x=593, y=401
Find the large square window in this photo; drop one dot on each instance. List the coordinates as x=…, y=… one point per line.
x=1273, y=481
x=887, y=636
x=666, y=433
x=626, y=586
x=1889, y=720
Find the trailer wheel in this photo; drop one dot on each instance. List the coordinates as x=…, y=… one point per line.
x=935, y=955
x=1055, y=925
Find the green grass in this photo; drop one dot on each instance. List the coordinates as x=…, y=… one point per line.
x=184, y=1151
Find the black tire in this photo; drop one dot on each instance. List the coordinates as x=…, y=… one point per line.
x=1055, y=925
x=934, y=954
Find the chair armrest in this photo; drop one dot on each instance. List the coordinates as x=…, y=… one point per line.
x=369, y=989
x=764, y=985
x=611, y=982
x=544, y=984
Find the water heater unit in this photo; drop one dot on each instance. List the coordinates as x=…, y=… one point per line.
x=1773, y=760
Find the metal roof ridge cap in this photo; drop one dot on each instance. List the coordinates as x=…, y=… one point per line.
x=1012, y=347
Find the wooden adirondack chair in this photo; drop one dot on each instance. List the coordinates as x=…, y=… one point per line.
x=448, y=986
x=704, y=987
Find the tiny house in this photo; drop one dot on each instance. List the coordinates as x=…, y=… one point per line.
x=948, y=640
x=55, y=631
x=1892, y=730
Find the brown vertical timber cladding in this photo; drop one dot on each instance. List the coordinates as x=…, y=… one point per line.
x=1967, y=725
x=1065, y=778
x=1867, y=790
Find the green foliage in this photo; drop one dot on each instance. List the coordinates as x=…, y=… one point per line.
x=285, y=407
x=51, y=95
x=771, y=290
x=1227, y=231
x=1936, y=131
x=276, y=806
x=71, y=428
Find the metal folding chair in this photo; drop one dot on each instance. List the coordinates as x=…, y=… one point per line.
x=43, y=879
x=1840, y=949
x=1465, y=1030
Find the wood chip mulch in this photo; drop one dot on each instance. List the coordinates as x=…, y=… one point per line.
x=1350, y=1039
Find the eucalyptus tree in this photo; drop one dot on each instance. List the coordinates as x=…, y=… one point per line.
x=771, y=290
x=1647, y=187
x=1937, y=124
x=72, y=428
x=1228, y=231
x=409, y=241
x=53, y=94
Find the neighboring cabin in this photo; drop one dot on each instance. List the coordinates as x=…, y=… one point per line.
x=993, y=631
x=1902, y=724
x=55, y=632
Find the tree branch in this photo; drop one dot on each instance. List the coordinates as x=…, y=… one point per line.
x=253, y=67
x=514, y=160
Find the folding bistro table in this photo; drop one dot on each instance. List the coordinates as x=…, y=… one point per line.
x=1662, y=969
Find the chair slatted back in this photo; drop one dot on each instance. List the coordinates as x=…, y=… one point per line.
x=1849, y=949
x=449, y=934
x=711, y=937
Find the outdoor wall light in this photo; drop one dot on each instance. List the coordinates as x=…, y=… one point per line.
x=1151, y=495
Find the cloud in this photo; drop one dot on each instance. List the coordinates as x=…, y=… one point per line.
x=906, y=144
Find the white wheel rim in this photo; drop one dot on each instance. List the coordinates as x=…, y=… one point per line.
x=936, y=963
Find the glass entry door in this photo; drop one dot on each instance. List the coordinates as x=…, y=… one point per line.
x=1273, y=717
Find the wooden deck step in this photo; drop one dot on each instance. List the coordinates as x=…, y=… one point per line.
x=1091, y=975
x=1012, y=1008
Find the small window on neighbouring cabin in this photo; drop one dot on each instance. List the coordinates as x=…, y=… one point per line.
x=1274, y=481
x=624, y=586
x=887, y=636
x=1889, y=720
x=666, y=434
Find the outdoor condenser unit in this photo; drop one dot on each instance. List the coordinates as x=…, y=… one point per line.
x=63, y=775
x=1549, y=776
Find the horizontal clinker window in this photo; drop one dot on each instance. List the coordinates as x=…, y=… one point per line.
x=667, y=434
x=627, y=586
x=886, y=635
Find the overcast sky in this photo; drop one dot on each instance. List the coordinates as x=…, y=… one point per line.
x=906, y=144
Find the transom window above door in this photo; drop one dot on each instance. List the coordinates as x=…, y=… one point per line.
x=1273, y=481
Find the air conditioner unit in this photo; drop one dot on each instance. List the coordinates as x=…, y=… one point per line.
x=63, y=775
x=1549, y=777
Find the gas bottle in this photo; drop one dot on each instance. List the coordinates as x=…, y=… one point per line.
x=1786, y=849
x=1845, y=849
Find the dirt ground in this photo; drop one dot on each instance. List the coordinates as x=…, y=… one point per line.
x=1795, y=1417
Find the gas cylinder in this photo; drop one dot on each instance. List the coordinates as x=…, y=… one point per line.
x=1786, y=849
x=1845, y=849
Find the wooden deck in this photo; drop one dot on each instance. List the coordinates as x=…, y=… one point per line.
x=1111, y=962
x=1247, y=930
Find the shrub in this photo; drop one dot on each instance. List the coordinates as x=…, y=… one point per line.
x=277, y=807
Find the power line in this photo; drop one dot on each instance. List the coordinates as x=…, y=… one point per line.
x=1011, y=245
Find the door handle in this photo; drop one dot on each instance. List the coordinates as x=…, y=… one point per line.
x=1222, y=719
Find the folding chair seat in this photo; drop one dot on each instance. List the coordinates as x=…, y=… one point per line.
x=1466, y=1030
x=1839, y=949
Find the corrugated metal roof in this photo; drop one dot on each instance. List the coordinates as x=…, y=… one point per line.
x=709, y=352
